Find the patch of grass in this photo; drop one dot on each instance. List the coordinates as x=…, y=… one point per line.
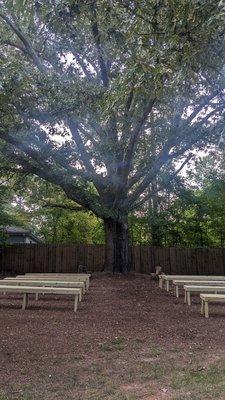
x=22, y=397
x=116, y=344
x=102, y=385
x=148, y=371
x=130, y=396
x=152, y=371
x=187, y=396
x=174, y=350
x=26, y=393
x=106, y=347
x=109, y=394
x=155, y=350
x=79, y=358
x=70, y=382
x=99, y=378
x=94, y=394
x=137, y=343
x=151, y=391
x=198, y=382
x=99, y=393
x=3, y=397
x=199, y=347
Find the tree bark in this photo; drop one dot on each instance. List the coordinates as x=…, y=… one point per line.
x=116, y=246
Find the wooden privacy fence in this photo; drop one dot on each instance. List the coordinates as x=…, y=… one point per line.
x=51, y=258
x=66, y=258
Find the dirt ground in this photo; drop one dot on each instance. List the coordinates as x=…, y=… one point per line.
x=129, y=340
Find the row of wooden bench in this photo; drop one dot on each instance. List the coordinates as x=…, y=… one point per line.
x=37, y=283
x=211, y=288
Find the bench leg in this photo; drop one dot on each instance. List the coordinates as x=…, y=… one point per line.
x=167, y=286
x=206, y=309
x=87, y=284
x=160, y=283
x=75, y=302
x=177, y=291
x=36, y=296
x=25, y=301
x=189, y=298
x=80, y=296
x=202, y=307
x=185, y=296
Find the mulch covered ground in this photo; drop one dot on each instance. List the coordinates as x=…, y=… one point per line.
x=129, y=340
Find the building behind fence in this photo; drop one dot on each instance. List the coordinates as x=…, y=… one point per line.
x=66, y=258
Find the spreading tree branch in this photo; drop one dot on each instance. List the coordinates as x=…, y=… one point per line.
x=128, y=157
x=164, y=184
x=98, y=45
x=65, y=207
x=27, y=45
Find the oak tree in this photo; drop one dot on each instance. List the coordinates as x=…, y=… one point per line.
x=100, y=97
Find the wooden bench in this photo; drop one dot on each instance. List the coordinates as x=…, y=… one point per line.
x=168, y=278
x=26, y=282
x=179, y=283
x=51, y=278
x=26, y=290
x=210, y=298
x=201, y=289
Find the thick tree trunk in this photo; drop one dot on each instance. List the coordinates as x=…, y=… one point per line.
x=116, y=247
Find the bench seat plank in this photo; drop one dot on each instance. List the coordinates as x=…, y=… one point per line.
x=57, y=273
x=61, y=276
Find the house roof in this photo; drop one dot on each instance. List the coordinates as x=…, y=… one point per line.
x=15, y=230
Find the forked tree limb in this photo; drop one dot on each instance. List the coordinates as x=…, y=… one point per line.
x=28, y=49
x=64, y=207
